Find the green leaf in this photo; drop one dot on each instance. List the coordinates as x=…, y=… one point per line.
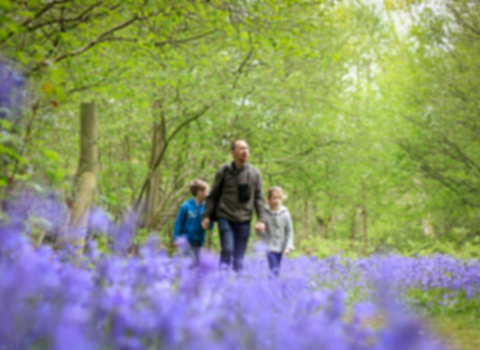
x=6, y=124
x=51, y=155
x=6, y=5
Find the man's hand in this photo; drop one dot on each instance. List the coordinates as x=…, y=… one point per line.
x=206, y=223
x=287, y=251
x=259, y=226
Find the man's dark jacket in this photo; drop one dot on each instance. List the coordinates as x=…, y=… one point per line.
x=228, y=205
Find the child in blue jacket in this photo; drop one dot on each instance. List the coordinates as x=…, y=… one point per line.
x=189, y=223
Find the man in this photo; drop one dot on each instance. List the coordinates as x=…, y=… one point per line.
x=237, y=188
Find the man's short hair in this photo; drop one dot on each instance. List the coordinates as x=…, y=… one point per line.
x=197, y=185
x=234, y=144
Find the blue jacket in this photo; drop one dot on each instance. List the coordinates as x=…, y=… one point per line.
x=189, y=222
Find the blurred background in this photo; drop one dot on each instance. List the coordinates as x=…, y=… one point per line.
x=365, y=112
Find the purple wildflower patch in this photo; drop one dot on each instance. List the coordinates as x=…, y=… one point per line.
x=153, y=301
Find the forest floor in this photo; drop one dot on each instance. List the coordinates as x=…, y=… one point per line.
x=460, y=332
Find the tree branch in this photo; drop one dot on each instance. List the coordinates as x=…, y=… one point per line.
x=240, y=68
x=462, y=156
x=92, y=43
x=80, y=18
x=463, y=21
x=40, y=13
x=454, y=185
x=188, y=121
x=87, y=87
x=119, y=38
x=182, y=41
x=95, y=41
x=307, y=151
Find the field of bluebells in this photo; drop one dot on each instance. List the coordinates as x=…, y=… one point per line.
x=49, y=299
x=52, y=299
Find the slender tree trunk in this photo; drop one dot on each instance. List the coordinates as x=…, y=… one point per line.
x=365, y=225
x=353, y=231
x=85, y=182
x=323, y=231
x=159, y=144
x=128, y=158
x=331, y=220
x=152, y=191
x=428, y=228
x=305, y=218
x=323, y=227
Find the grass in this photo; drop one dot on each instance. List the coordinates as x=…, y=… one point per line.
x=456, y=321
x=459, y=332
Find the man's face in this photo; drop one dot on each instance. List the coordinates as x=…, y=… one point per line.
x=240, y=152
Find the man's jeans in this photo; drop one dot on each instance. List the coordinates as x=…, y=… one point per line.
x=234, y=239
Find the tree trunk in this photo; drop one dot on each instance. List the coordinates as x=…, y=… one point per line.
x=353, y=232
x=365, y=225
x=331, y=223
x=159, y=143
x=323, y=227
x=152, y=191
x=85, y=181
x=127, y=151
x=428, y=228
x=305, y=218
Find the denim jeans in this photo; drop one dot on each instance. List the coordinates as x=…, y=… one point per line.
x=192, y=252
x=274, y=261
x=233, y=239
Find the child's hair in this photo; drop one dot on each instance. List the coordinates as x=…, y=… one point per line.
x=197, y=185
x=276, y=189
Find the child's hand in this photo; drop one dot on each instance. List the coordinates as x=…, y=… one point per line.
x=259, y=226
x=287, y=251
x=206, y=223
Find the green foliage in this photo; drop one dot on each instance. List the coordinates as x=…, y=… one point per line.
x=10, y=152
x=368, y=125
x=393, y=244
x=437, y=301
